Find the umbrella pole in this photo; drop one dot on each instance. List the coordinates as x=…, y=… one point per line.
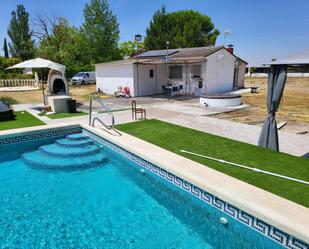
x=44, y=101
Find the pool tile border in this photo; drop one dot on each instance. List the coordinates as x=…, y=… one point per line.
x=254, y=223
x=38, y=135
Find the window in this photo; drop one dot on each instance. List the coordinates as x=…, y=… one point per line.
x=196, y=71
x=175, y=72
x=79, y=75
x=151, y=73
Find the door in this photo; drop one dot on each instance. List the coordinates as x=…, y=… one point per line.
x=196, y=79
x=147, y=80
x=235, y=80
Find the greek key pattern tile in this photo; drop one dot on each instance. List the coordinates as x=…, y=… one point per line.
x=254, y=223
x=38, y=135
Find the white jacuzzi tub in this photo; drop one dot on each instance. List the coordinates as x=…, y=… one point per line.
x=220, y=100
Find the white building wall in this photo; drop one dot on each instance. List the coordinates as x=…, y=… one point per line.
x=161, y=74
x=144, y=85
x=241, y=74
x=110, y=77
x=298, y=74
x=265, y=75
x=219, y=71
x=257, y=75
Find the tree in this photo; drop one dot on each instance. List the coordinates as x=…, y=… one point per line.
x=101, y=32
x=252, y=70
x=157, y=34
x=21, y=46
x=185, y=28
x=62, y=43
x=8, y=62
x=5, y=49
x=129, y=48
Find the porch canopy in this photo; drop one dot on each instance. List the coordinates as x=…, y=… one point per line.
x=276, y=82
x=40, y=63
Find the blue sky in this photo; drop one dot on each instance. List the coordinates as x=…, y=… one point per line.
x=262, y=29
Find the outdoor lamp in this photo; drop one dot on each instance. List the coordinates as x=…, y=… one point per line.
x=138, y=38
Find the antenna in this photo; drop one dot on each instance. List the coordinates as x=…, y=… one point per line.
x=226, y=34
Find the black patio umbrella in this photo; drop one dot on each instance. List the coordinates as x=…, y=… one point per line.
x=276, y=81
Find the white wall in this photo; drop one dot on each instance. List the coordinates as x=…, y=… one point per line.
x=257, y=75
x=146, y=84
x=241, y=74
x=265, y=75
x=298, y=74
x=110, y=77
x=219, y=71
x=143, y=84
x=161, y=77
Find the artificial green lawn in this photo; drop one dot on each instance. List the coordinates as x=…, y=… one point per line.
x=65, y=115
x=174, y=138
x=22, y=119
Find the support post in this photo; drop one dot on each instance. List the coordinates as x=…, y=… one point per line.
x=90, y=110
x=44, y=100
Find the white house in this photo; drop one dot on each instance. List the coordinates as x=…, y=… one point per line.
x=192, y=70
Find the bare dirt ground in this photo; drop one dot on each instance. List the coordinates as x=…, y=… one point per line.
x=80, y=93
x=294, y=107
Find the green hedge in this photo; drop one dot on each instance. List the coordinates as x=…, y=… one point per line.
x=12, y=73
x=7, y=76
x=9, y=100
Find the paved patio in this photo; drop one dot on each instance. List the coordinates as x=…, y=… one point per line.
x=186, y=112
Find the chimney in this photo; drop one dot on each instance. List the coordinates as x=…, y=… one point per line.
x=230, y=48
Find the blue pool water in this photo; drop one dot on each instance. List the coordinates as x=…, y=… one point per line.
x=75, y=193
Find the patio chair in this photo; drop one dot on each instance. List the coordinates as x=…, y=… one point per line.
x=180, y=89
x=175, y=91
x=136, y=110
x=165, y=90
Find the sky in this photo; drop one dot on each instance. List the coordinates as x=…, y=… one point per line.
x=261, y=29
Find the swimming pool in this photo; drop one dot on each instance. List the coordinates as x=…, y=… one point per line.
x=78, y=191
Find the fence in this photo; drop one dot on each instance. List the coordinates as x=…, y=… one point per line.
x=31, y=83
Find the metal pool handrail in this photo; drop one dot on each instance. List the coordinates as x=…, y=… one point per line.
x=105, y=109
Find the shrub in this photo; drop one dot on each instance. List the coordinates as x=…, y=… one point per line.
x=7, y=76
x=9, y=100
